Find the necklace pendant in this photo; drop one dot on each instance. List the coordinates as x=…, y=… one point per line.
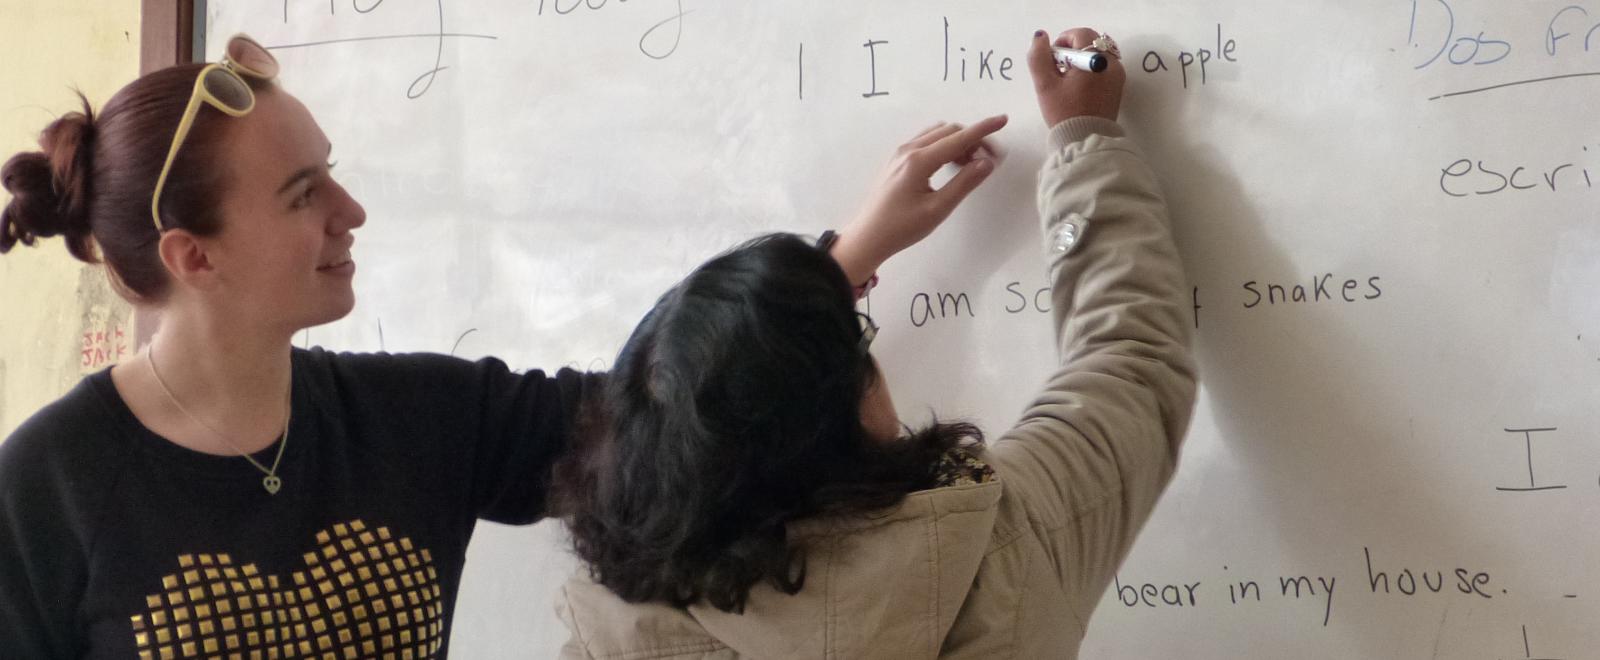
x=272, y=483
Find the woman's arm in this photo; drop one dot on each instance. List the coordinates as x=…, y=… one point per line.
x=905, y=208
x=1093, y=453
x=33, y=611
x=487, y=438
x=42, y=565
x=529, y=422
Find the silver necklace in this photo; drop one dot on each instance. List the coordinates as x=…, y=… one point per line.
x=272, y=482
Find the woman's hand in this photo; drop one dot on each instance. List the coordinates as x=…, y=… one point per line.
x=1074, y=92
x=905, y=209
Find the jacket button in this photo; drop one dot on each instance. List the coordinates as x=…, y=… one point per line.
x=1066, y=234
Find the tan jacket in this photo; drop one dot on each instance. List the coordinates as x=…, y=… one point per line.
x=1012, y=567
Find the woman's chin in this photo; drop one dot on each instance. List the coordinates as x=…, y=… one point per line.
x=343, y=308
x=336, y=308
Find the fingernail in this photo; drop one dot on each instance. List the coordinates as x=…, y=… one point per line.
x=1037, y=34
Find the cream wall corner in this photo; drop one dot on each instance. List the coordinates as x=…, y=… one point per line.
x=52, y=308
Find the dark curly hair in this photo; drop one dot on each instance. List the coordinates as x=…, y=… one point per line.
x=734, y=409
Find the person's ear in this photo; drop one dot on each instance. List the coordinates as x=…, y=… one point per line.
x=187, y=259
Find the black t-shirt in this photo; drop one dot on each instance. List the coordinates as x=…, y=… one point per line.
x=116, y=543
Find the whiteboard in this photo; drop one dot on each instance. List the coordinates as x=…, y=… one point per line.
x=1388, y=211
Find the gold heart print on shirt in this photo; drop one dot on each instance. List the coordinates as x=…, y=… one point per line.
x=363, y=594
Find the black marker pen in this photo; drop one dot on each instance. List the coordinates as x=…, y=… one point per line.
x=1086, y=60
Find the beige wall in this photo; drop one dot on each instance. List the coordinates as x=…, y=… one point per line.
x=48, y=301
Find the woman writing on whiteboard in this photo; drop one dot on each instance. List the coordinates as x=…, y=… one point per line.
x=747, y=491
x=223, y=494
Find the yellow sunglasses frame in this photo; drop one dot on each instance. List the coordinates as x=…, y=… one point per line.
x=202, y=96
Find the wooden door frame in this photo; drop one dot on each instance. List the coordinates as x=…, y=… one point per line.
x=166, y=33
x=166, y=37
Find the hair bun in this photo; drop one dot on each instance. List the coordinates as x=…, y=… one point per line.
x=50, y=187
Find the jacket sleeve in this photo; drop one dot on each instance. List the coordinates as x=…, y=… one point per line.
x=1093, y=452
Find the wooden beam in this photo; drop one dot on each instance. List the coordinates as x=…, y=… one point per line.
x=166, y=33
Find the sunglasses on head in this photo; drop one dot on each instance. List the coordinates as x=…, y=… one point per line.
x=221, y=86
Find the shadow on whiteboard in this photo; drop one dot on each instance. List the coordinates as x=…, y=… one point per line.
x=1301, y=472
